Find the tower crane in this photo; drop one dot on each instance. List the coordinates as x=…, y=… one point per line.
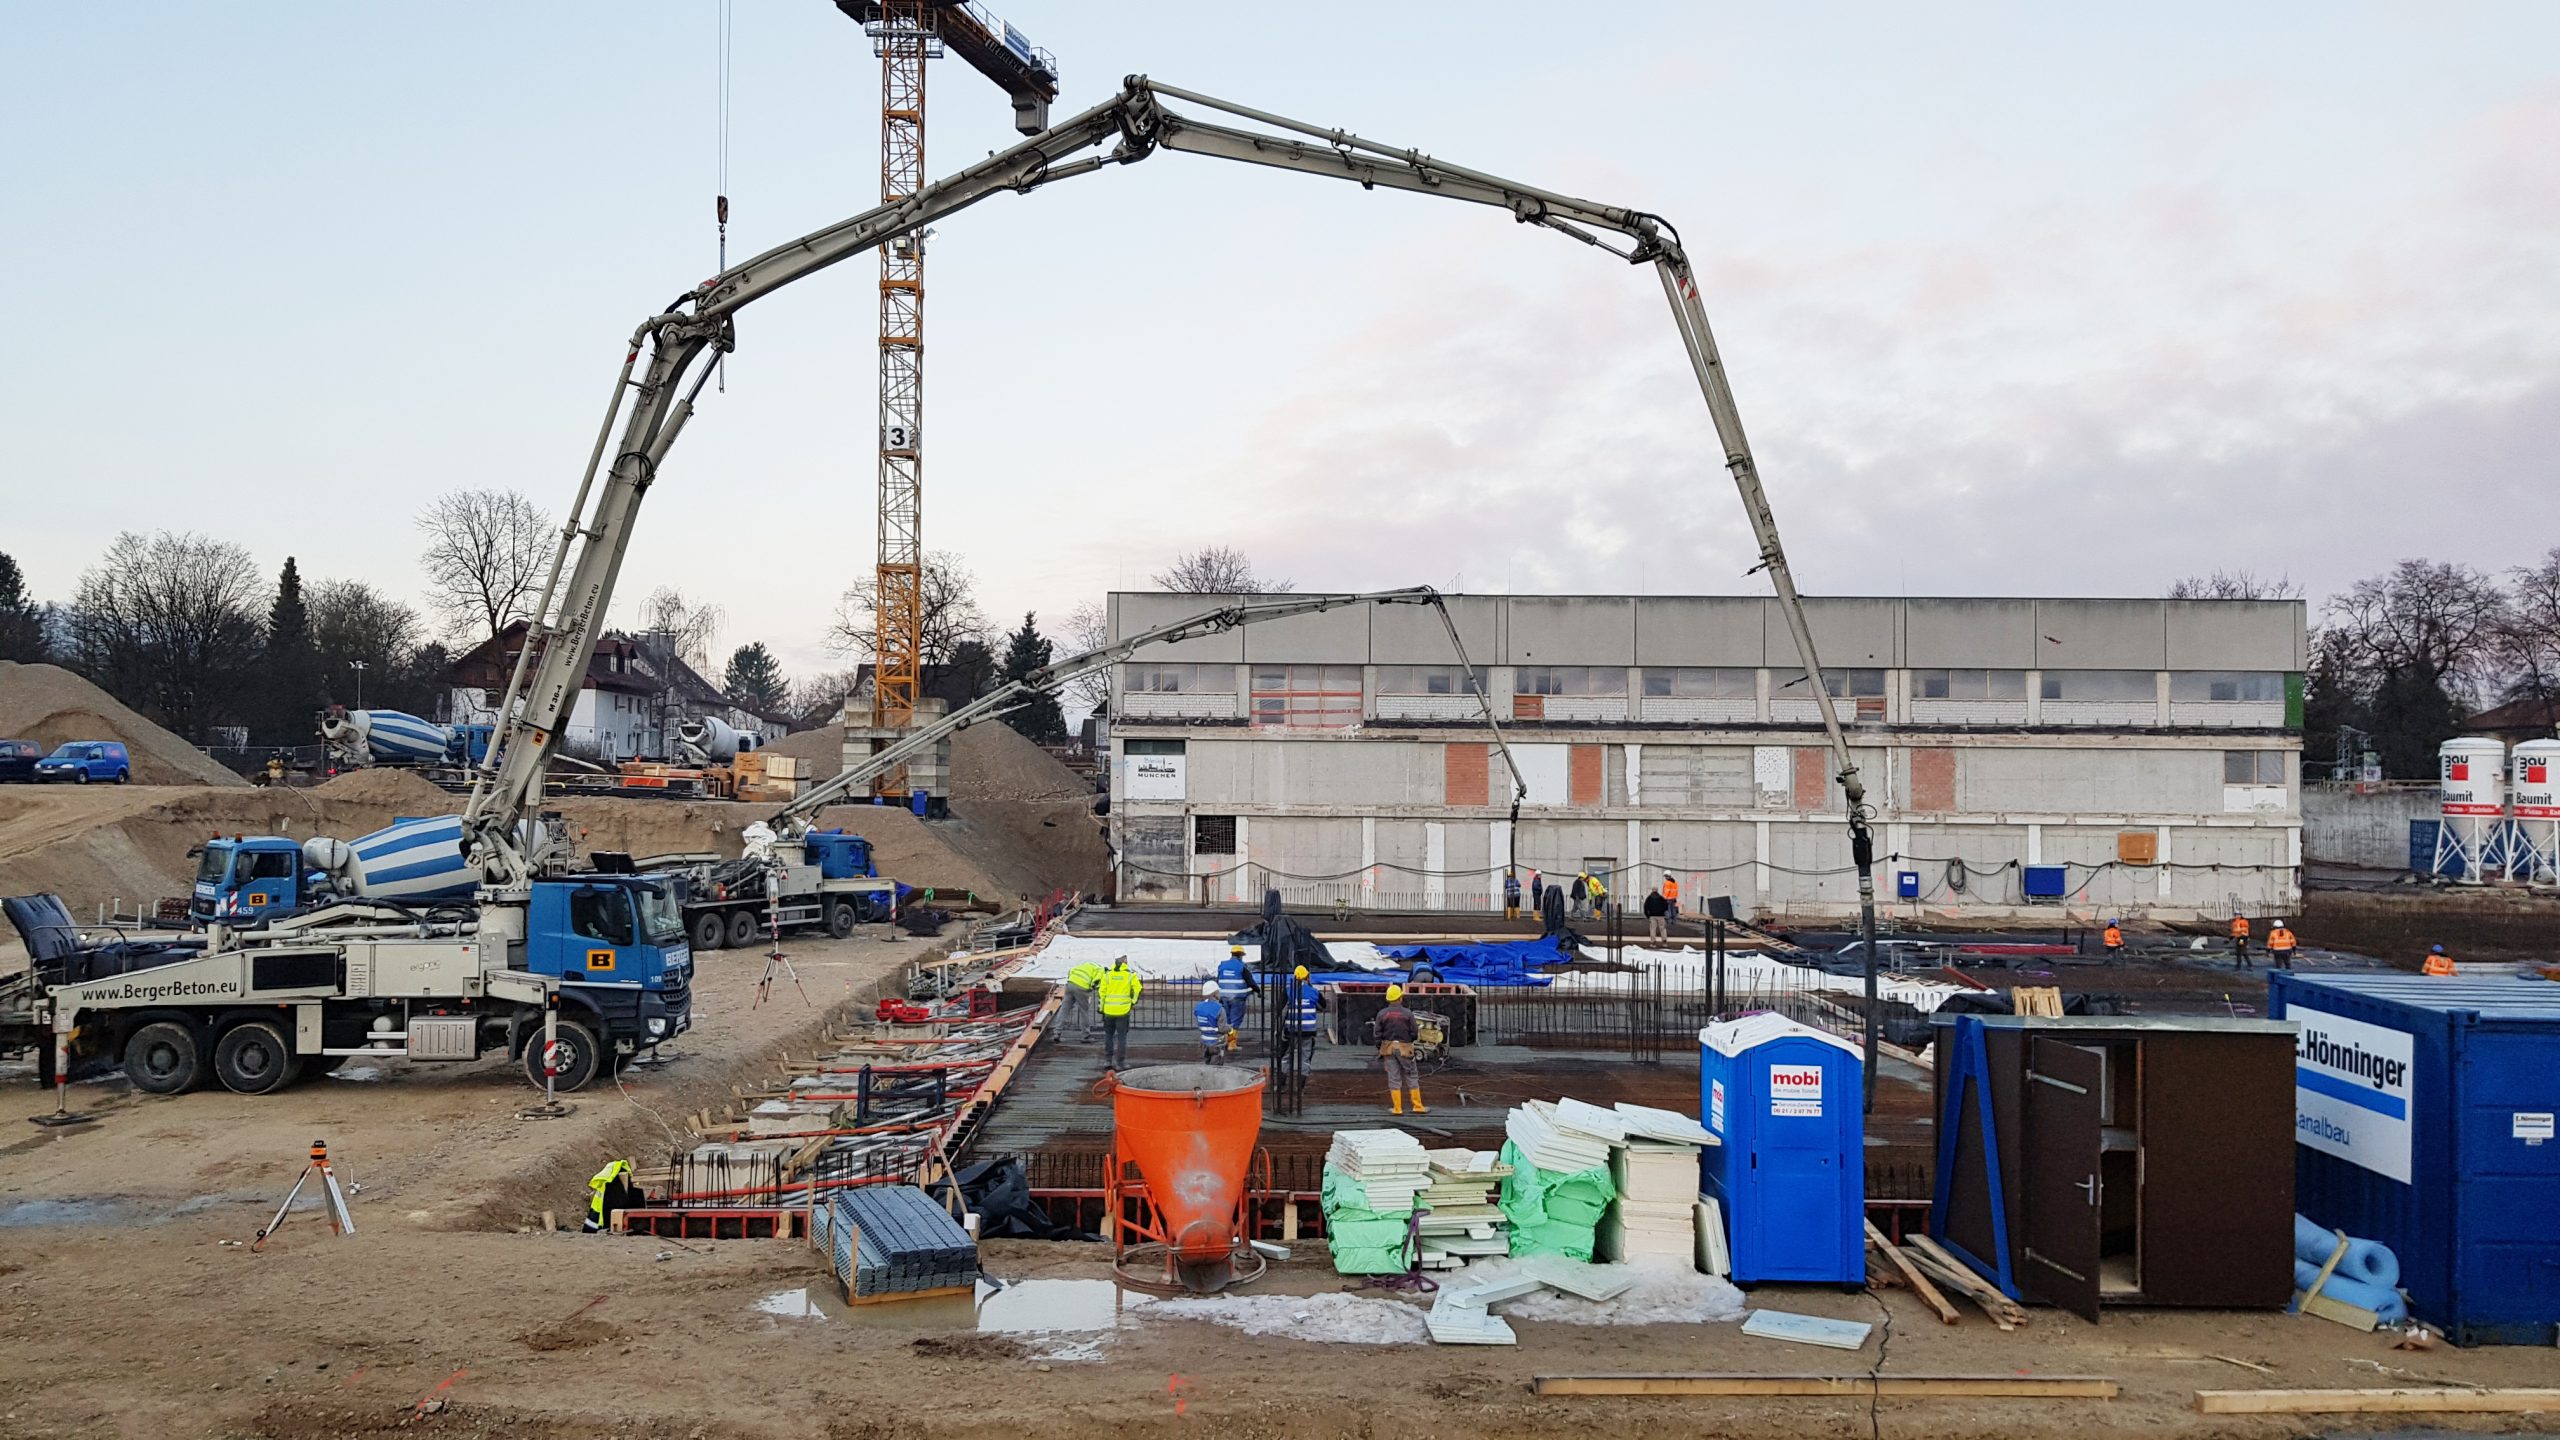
x=905, y=34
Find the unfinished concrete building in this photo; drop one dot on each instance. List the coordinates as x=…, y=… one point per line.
x=2023, y=756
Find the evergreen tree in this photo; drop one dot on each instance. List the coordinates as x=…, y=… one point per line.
x=289, y=674
x=972, y=671
x=22, y=621
x=1025, y=651
x=755, y=680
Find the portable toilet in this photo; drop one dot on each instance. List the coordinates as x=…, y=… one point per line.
x=1791, y=1172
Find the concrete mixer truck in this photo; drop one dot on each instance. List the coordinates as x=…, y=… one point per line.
x=361, y=738
x=412, y=861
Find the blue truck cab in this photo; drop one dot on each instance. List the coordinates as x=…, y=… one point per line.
x=249, y=878
x=617, y=942
x=839, y=855
x=81, y=761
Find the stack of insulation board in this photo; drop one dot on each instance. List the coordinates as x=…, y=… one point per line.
x=1559, y=1188
x=1461, y=1216
x=887, y=1240
x=1656, y=1173
x=1371, y=1181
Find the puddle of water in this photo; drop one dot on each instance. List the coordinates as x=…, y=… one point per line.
x=107, y=1210
x=1082, y=1312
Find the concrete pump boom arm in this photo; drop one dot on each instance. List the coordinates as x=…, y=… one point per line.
x=1233, y=615
x=561, y=636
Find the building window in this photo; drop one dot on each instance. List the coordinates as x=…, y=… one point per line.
x=1843, y=684
x=2124, y=685
x=1422, y=680
x=1182, y=679
x=2252, y=767
x=1969, y=684
x=1314, y=695
x=1698, y=682
x=1213, y=834
x=2263, y=687
x=1569, y=680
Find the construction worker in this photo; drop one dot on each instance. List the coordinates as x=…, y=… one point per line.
x=2239, y=942
x=1599, y=895
x=1657, y=912
x=1235, y=983
x=1578, y=897
x=1306, y=1015
x=1510, y=894
x=1117, y=995
x=1397, y=1035
x=1537, y=893
x=2114, y=941
x=1671, y=896
x=613, y=1191
x=2280, y=943
x=1210, y=1015
x=2438, y=962
x=1079, y=1012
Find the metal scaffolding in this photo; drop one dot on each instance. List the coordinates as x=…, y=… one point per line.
x=904, y=36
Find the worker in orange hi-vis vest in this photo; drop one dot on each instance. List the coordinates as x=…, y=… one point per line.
x=1671, y=893
x=2280, y=943
x=2438, y=962
x=2240, y=942
x=2115, y=941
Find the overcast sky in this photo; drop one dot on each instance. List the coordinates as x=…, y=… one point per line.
x=2016, y=299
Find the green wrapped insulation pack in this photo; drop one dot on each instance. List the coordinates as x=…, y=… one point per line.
x=1553, y=1214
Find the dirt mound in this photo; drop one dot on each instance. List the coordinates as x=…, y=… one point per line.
x=820, y=751
x=994, y=762
x=407, y=790
x=49, y=704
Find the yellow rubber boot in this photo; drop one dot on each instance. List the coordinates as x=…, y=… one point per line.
x=1418, y=1107
x=1395, y=1102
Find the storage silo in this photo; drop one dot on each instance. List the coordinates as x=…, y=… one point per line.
x=2533, y=836
x=2471, y=775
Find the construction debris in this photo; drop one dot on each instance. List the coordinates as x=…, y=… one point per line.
x=1461, y=1215
x=1372, y=1179
x=2447, y=1401
x=1808, y=1329
x=1891, y=1387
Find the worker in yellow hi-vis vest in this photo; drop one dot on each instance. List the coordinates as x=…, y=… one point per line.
x=1117, y=995
x=613, y=1191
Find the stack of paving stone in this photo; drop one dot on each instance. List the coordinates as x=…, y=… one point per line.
x=1462, y=1215
x=892, y=1240
x=1372, y=1179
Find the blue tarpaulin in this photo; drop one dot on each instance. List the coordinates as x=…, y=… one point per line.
x=1506, y=962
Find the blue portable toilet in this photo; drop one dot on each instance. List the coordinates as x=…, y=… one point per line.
x=1791, y=1172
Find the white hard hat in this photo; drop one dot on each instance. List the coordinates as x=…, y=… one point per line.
x=1209, y=989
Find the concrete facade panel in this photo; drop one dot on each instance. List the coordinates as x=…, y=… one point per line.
x=1413, y=634
x=1989, y=856
x=2089, y=852
x=2235, y=635
x=1715, y=630
x=2101, y=635
x=1570, y=630
x=1136, y=612
x=1337, y=637
x=1969, y=634
x=1847, y=634
x=2078, y=782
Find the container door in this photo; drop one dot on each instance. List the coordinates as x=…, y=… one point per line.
x=2061, y=1179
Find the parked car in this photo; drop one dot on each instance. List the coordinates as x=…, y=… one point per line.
x=18, y=760
x=82, y=761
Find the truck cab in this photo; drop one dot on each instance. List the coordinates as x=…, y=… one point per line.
x=248, y=878
x=616, y=942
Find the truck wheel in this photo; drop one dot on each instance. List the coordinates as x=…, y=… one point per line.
x=83, y=773
x=579, y=1055
x=840, y=918
x=744, y=927
x=162, y=1058
x=710, y=930
x=253, y=1057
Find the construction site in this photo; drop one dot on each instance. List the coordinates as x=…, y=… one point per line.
x=1402, y=1009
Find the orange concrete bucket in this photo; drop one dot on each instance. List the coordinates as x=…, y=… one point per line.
x=1190, y=1130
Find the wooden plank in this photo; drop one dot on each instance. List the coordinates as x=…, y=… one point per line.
x=1912, y=1277
x=1909, y=1387
x=2378, y=1402
x=892, y=1297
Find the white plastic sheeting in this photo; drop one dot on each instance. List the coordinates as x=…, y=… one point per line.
x=1162, y=959
x=1747, y=971
x=1663, y=1292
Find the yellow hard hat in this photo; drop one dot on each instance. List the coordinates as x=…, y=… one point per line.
x=1234, y=949
x=1394, y=993
x=1300, y=972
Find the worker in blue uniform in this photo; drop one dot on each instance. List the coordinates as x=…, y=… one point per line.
x=1235, y=983
x=1210, y=1015
x=1306, y=1003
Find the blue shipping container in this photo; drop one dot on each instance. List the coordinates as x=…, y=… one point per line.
x=2424, y=1119
x=1791, y=1173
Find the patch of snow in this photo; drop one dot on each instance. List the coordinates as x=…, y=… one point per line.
x=1324, y=1319
x=1665, y=1292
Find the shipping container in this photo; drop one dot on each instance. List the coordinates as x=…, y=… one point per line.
x=2424, y=1119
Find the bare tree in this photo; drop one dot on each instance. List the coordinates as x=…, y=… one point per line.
x=169, y=623
x=1217, y=570
x=951, y=613
x=2528, y=640
x=2235, y=585
x=486, y=552
x=692, y=627
x=1089, y=629
x=816, y=699
x=2418, y=642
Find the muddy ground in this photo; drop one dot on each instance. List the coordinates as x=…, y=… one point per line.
x=125, y=1312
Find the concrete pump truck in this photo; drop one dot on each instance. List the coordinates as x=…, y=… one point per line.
x=603, y=956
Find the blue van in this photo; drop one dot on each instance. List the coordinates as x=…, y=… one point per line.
x=85, y=760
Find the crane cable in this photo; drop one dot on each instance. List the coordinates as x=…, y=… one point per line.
x=726, y=12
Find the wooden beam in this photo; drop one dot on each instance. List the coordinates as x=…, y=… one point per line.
x=1911, y=1276
x=2378, y=1402
x=1909, y=1387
